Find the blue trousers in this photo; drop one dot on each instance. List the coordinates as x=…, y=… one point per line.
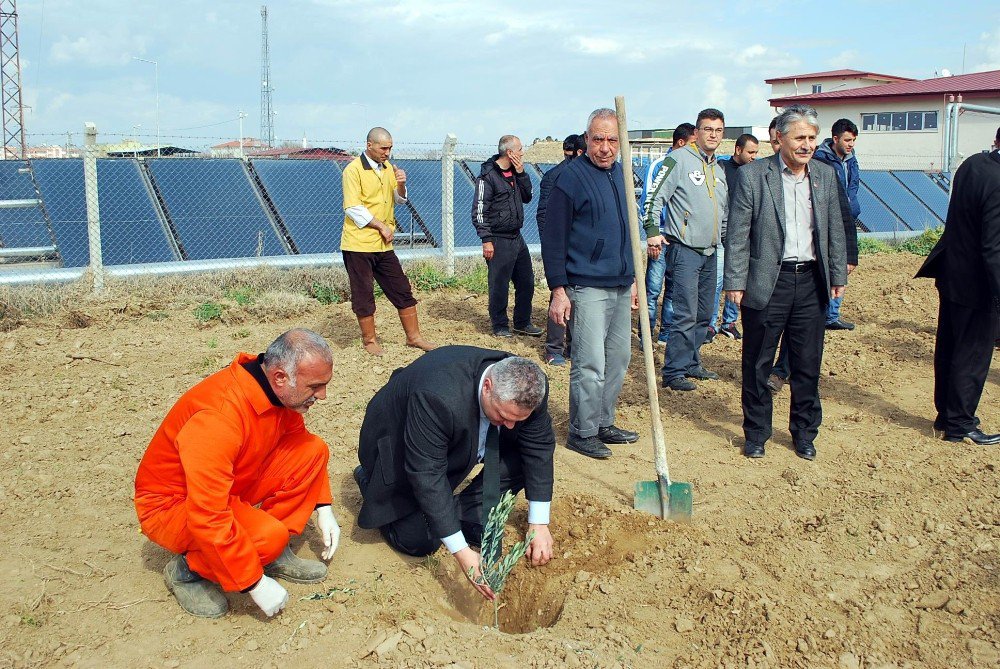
x=691, y=292
x=731, y=312
x=658, y=274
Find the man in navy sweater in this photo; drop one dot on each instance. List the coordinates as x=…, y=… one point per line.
x=588, y=266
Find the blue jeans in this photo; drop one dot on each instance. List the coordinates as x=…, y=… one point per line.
x=731, y=312
x=833, y=311
x=657, y=275
x=691, y=291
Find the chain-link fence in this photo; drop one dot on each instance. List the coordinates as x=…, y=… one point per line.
x=125, y=205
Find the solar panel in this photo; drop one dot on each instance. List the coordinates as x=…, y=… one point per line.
x=131, y=232
x=545, y=167
x=464, y=192
x=423, y=189
x=309, y=197
x=214, y=208
x=911, y=210
x=61, y=183
x=876, y=216
x=921, y=185
x=20, y=228
x=530, y=229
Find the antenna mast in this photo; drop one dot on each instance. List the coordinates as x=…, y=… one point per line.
x=10, y=83
x=266, y=111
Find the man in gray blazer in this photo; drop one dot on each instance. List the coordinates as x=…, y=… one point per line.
x=785, y=258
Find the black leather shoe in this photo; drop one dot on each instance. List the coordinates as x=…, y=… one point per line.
x=529, y=330
x=702, y=374
x=840, y=325
x=680, y=383
x=753, y=450
x=589, y=446
x=502, y=332
x=805, y=450
x=361, y=478
x=616, y=435
x=976, y=436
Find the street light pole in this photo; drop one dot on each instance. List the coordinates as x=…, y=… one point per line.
x=156, y=85
x=135, y=140
x=242, y=116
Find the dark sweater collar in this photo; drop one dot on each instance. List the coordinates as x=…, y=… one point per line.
x=256, y=369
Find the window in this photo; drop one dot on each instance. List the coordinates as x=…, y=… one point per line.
x=817, y=88
x=909, y=121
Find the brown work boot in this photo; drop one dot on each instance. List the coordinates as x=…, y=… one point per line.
x=368, y=340
x=196, y=595
x=408, y=317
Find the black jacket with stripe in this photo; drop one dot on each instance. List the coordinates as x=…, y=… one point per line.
x=498, y=207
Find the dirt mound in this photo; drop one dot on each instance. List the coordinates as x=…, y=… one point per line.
x=884, y=552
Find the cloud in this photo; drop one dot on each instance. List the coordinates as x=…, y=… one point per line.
x=988, y=50
x=758, y=56
x=844, y=59
x=98, y=48
x=596, y=46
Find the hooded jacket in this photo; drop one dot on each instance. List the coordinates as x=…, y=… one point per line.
x=497, y=208
x=695, y=195
x=847, y=171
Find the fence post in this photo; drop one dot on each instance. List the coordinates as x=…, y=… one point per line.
x=448, y=203
x=93, y=209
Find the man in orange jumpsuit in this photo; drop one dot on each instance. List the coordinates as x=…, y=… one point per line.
x=232, y=472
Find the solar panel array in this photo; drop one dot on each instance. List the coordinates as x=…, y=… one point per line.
x=175, y=209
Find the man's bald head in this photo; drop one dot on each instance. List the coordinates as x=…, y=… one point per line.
x=378, y=135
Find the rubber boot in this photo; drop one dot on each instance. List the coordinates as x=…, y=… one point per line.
x=408, y=317
x=196, y=595
x=291, y=567
x=368, y=340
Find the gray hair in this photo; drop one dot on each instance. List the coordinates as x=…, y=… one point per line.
x=793, y=114
x=289, y=349
x=506, y=144
x=378, y=134
x=603, y=112
x=518, y=380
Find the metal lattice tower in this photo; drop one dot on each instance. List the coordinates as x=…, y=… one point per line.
x=266, y=110
x=10, y=83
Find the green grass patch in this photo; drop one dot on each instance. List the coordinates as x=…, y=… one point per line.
x=207, y=312
x=922, y=244
x=325, y=294
x=241, y=295
x=869, y=245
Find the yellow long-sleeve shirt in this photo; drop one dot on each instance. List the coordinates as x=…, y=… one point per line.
x=372, y=189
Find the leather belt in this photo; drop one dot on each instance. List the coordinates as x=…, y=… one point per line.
x=798, y=267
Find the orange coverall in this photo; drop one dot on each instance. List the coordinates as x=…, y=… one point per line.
x=228, y=477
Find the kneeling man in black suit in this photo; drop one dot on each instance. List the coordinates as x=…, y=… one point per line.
x=425, y=431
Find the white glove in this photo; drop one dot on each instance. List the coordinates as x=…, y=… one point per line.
x=329, y=530
x=269, y=596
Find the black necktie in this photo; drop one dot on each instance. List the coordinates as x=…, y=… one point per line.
x=491, y=476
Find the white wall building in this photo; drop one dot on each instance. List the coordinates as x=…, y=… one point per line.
x=901, y=121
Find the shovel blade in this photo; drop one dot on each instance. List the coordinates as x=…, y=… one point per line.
x=679, y=500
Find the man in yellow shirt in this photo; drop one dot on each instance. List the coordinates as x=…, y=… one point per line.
x=372, y=188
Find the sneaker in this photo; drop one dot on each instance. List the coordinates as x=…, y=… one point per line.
x=555, y=359
x=616, y=435
x=775, y=383
x=502, y=332
x=679, y=383
x=840, y=324
x=702, y=374
x=710, y=335
x=292, y=568
x=730, y=330
x=529, y=330
x=589, y=446
x=196, y=595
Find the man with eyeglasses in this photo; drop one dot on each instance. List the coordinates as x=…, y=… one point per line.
x=589, y=268
x=692, y=187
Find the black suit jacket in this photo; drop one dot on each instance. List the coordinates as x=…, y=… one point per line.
x=965, y=262
x=420, y=439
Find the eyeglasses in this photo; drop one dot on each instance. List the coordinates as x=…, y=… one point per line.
x=712, y=131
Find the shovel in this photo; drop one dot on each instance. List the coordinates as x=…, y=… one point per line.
x=662, y=497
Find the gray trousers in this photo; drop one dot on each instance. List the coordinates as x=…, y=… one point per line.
x=601, y=321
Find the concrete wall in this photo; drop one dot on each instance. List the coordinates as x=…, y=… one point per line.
x=784, y=88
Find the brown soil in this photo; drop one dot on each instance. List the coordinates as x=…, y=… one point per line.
x=884, y=552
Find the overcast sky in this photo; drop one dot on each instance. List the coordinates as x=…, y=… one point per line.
x=478, y=68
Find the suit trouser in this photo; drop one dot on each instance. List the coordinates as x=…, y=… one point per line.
x=412, y=534
x=691, y=293
x=278, y=504
x=511, y=261
x=798, y=310
x=601, y=322
x=962, y=354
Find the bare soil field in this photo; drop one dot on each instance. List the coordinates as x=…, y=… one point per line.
x=884, y=552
